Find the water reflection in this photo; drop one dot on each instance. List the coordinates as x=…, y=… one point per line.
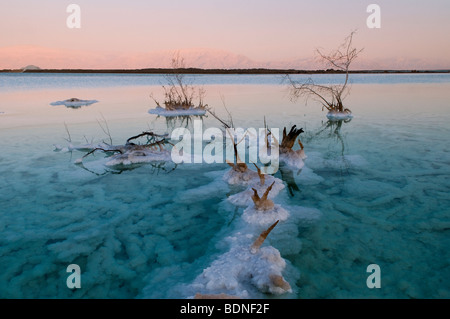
x=185, y=121
x=287, y=175
x=155, y=168
x=331, y=131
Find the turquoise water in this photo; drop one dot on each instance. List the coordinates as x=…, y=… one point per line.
x=381, y=183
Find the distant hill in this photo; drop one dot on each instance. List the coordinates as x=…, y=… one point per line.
x=30, y=67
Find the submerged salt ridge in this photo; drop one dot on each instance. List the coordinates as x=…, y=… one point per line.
x=244, y=269
x=241, y=271
x=248, y=270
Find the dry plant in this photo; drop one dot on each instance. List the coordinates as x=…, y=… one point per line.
x=154, y=142
x=262, y=177
x=178, y=94
x=276, y=280
x=262, y=237
x=288, y=141
x=105, y=128
x=330, y=96
x=263, y=203
x=238, y=165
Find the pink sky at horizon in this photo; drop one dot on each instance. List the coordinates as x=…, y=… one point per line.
x=136, y=34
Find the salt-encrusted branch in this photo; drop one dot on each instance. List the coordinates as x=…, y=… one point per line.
x=262, y=237
x=330, y=96
x=130, y=147
x=278, y=281
x=102, y=149
x=105, y=129
x=147, y=133
x=262, y=177
x=289, y=139
x=262, y=203
x=68, y=133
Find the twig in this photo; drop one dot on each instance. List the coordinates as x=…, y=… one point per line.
x=151, y=134
x=105, y=129
x=68, y=133
x=102, y=149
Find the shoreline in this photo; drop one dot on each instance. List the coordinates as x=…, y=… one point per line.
x=220, y=71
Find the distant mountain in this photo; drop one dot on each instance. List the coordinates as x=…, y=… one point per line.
x=49, y=58
x=194, y=58
x=30, y=67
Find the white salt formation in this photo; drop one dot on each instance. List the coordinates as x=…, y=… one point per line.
x=337, y=116
x=129, y=153
x=240, y=175
x=244, y=198
x=140, y=156
x=263, y=218
x=178, y=112
x=126, y=154
x=74, y=103
x=260, y=184
x=84, y=147
x=245, y=270
x=264, y=211
x=246, y=267
x=293, y=159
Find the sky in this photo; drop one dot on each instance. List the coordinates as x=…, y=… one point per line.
x=139, y=34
